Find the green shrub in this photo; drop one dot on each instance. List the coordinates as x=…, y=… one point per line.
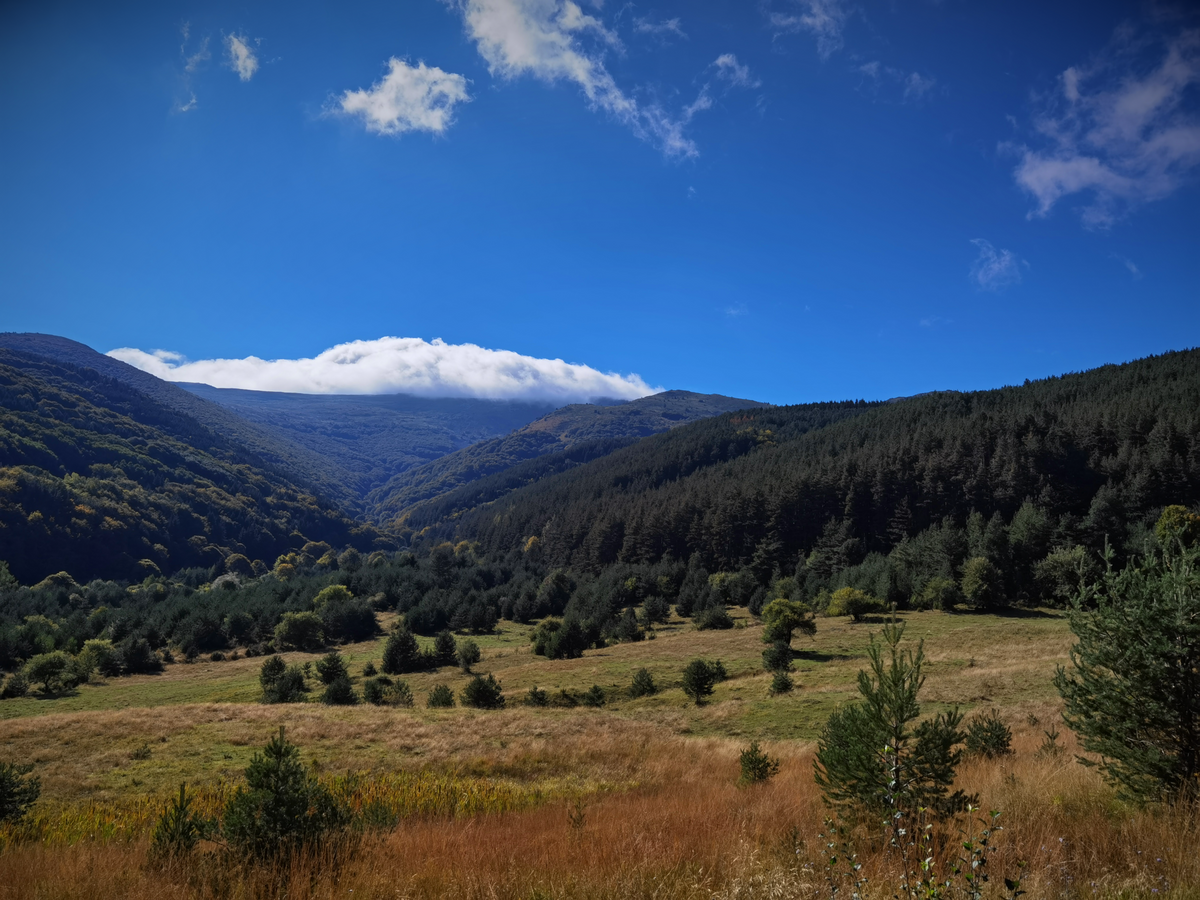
x=938, y=593
x=713, y=618
x=782, y=618
x=331, y=668
x=445, y=650
x=178, y=829
x=982, y=584
x=54, y=671
x=468, y=654
x=643, y=684
x=300, y=631
x=483, y=693
x=757, y=766
x=340, y=693
x=401, y=654
x=282, y=807
x=700, y=679
x=594, y=696
x=781, y=683
x=987, y=735
x=369, y=670
x=16, y=686
x=280, y=682
x=18, y=790
x=537, y=697
x=854, y=603
x=441, y=697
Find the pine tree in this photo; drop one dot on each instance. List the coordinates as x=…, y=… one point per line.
x=401, y=654
x=872, y=758
x=1132, y=690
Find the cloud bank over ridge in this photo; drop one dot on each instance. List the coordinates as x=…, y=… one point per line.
x=394, y=365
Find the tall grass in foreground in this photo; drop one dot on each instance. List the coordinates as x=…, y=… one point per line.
x=377, y=799
x=688, y=832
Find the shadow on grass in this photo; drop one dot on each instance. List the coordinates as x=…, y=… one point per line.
x=820, y=656
x=1010, y=612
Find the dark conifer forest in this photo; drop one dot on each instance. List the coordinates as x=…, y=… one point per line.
x=123, y=519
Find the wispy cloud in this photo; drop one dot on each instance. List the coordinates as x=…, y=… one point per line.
x=734, y=72
x=825, y=20
x=737, y=310
x=993, y=269
x=555, y=40
x=914, y=86
x=1122, y=130
x=665, y=29
x=1129, y=264
x=400, y=365
x=192, y=59
x=407, y=98
x=240, y=56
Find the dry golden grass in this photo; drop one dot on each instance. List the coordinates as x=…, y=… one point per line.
x=686, y=831
x=663, y=816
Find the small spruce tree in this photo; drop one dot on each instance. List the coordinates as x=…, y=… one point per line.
x=874, y=757
x=401, y=654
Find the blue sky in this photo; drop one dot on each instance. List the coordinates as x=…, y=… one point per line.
x=785, y=200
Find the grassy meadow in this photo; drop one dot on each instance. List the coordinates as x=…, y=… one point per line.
x=637, y=799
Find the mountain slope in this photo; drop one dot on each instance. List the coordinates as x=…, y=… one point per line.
x=365, y=440
x=602, y=428
x=97, y=476
x=1098, y=453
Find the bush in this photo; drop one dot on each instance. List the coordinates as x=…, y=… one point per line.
x=401, y=654
x=340, y=693
x=468, y=654
x=700, y=679
x=556, y=639
x=18, y=790
x=16, y=686
x=982, y=584
x=713, y=618
x=643, y=684
x=852, y=602
x=938, y=593
x=369, y=670
x=382, y=691
x=138, y=657
x=987, y=735
x=757, y=766
x=441, y=697
x=781, y=683
x=300, y=631
x=54, y=671
x=594, y=696
x=483, y=693
x=178, y=829
x=537, y=697
x=445, y=650
x=280, y=682
x=100, y=655
x=331, y=668
x=656, y=609
x=281, y=808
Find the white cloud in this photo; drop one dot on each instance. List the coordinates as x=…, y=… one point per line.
x=659, y=29
x=915, y=86
x=241, y=57
x=1120, y=134
x=399, y=365
x=994, y=270
x=408, y=98
x=738, y=75
x=1129, y=264
x=555, y=40
x=823, y=19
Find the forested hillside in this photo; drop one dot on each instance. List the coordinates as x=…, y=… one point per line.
x=101, y=480
x=363, y=441
x=889, y=497
x=601, y=427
